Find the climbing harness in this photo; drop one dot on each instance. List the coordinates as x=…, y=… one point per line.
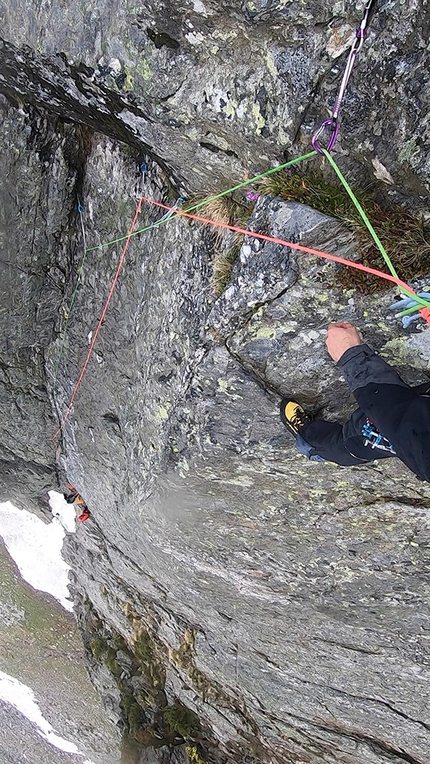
x=332, y=123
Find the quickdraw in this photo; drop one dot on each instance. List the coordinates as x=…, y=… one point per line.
x=332, y=123
x=171, y=211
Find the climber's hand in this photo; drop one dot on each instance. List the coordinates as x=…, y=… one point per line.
x=340, y=337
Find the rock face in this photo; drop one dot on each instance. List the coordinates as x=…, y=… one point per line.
x=237, y=603
x=213, y=90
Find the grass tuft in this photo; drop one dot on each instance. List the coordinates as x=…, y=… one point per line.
x=182, y=720
x=194, y=755
x=227, y=243
x=406, y=237
x=222, y=267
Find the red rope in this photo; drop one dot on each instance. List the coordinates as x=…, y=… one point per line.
x=101, y=319
x=291, y=244
x=237, y=229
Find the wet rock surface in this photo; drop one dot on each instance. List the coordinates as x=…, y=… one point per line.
x=237, y=603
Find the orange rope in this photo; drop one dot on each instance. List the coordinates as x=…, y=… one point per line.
x=237, y=229
x=101, y=319
x=285, y=243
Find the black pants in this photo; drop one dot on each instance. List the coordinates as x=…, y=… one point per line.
x=332, y=442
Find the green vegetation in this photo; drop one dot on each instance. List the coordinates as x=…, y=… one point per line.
x=98, y=647
x=222, y=267
x=182, y=720
x=135, y=717
x=112, y=663
x=143, y=648
x=146, y=652
x=138, y=664
x=103, y=652
x=183, y=658
x=227, y=243
x=193, y=754
x=405, y=236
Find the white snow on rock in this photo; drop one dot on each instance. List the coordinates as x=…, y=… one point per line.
x=65, y=513
x=22, y=698
x=36, y=546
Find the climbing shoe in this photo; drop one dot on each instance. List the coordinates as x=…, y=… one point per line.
x=293, y=416
x=84, y=516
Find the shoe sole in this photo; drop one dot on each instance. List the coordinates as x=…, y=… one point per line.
x=284, y=419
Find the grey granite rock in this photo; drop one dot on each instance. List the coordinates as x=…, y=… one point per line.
x=284, y=602
x=214, y=90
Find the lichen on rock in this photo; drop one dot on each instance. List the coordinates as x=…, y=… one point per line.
x=237, y=603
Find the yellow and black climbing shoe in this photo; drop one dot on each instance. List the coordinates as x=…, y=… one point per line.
x=293, y=416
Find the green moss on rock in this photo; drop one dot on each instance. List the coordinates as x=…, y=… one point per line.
x=182, y=720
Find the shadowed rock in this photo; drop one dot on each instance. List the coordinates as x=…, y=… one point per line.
x=285, y=603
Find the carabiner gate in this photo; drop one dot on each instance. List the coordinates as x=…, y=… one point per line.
x=330, y=124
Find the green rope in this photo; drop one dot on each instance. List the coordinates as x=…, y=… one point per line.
x=216, y=196
x=366, y=220
x=156, y=224
x=370, y=228
x=265, y=174
x=407, y=311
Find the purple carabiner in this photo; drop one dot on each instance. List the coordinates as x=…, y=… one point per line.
x=332, y=122
x=334, y=132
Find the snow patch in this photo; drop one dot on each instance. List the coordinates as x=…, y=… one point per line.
x=36, y=546
x=64, y=512
x=22, y=698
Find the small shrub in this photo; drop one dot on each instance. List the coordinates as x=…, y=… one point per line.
x=98, y=647
x=193, y=754
x=222, y=267
x=135, y=718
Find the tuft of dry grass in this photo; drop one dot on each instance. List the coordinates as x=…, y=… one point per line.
x=222, y=267
x=406, y=237
x=227, y=243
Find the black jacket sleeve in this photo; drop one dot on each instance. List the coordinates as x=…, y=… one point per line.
x=400, y=412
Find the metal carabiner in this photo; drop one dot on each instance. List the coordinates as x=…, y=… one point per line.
x=330, y=124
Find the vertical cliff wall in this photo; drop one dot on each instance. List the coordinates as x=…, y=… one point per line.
x=237, y=603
